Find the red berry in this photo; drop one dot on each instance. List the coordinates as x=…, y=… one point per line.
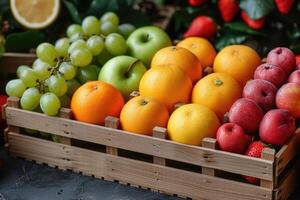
x=201, y=26
x=298, y=62
x=253, y=23
x=196, y=2
x=284, y=6
x=228, y=9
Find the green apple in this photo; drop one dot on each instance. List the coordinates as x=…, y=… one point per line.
x=144, y=42
x=88, y=73
x=123, y=72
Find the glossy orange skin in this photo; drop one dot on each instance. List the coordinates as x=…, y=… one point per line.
x=239, y=61
x=178, y=57
x=217, y=91
x=95, y=100
x=169, y=85
x=141, y=114
x=201, y=48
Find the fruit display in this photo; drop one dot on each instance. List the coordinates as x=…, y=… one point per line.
x=242, y=102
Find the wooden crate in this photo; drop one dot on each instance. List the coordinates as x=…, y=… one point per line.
x=9, y=62
x=150, y=162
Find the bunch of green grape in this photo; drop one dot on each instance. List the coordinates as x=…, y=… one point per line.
x=73, y=60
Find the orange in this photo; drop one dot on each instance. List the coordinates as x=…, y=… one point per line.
x=239, y=61
x=141, y=114
x=190, y=123
x=94, y=101
x=170, y=85
x=202, y=48
x=178, y=57
x=217, y=91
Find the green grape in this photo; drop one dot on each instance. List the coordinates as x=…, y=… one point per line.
x=95, y=44
x=62, y=46
x=30, y=99
x=65, y=101
x=75, y=37
x=15, y=88
x=81, y=57
x=50, y=104
x=97, y=68
x=103, y=57
x=74, y=29
x=88, y=73
x=42, y=69
x=73, y=85
x=67, y=70
x=21, y=68
x=126, y=29
x=79, y=44
x=29, y=77
x=57, y=85
x=47, y=53
x=110, y=17
x=91, y=26
x=115, y=44
x=107, y=28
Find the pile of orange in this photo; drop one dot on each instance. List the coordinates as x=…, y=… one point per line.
x=175, y=76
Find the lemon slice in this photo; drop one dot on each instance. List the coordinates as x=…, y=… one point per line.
x=35, y=14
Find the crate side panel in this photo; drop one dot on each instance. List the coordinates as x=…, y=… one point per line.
x=149, y=175
x=200, y=156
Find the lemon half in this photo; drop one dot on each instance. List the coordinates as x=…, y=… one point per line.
x=35, y=14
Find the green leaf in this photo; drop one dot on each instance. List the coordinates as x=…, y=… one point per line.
x=243, y=28
x=257, y=8
x=73, y=12
x=23, y=42
x=229, y=39
x=98, y=7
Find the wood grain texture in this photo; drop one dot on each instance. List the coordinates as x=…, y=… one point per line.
x=288, y=185
x=112, y=122
x=268, y=154
x=200, y=156
x=211, y=144
x=166, y=179
x=159, y=132
x=287, y=153
x=9, y=62
x=14, y=103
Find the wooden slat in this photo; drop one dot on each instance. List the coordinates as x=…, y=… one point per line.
x=169, y=180
x=268, y=154
x=9, y=62
x=14, y=103
x=159, y=132
x=287, y=153
x=288, y=185
x=211, y=144
x=66, y=114
x=112, y=122
x=221, y=160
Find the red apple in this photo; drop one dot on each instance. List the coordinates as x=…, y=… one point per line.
x=232, y=138
x=283, y=58
x=294, y=77
x=288, y=97
x=277, y=127
x=298, y=62
x=262, y=92
x=271, y=73
x=246, y=113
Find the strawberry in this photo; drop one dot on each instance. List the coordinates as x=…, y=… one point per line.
x=196, y=2
x=284, y=6
x=253, y=23
x=298, y=62
x=254, y=150
x=201, y=26
x=228, y=9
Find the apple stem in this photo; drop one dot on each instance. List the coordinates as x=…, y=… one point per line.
x=130, y=66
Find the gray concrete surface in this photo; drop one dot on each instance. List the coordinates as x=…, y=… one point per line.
x=24, y=180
